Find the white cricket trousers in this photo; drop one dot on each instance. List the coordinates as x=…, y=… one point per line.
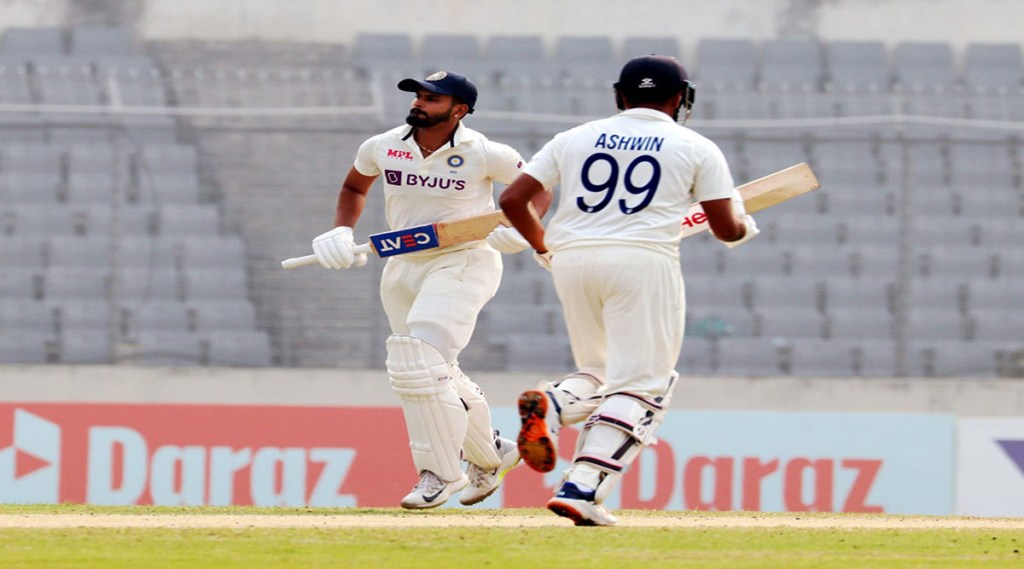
x=625, y=311
x=438, y=299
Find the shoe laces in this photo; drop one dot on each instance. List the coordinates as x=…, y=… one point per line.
x=478, y=476
x=429, y=483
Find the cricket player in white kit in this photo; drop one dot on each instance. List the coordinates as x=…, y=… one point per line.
x=435, y=169
x=613, y=250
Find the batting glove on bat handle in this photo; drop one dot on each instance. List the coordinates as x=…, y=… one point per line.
x=335, y=249
x=543, y=259
x=507, y=240
x=752, y=232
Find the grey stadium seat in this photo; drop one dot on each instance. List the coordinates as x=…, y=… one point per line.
x=241, y=348
x=586, y=58
x=860, y=66
x=33, y=41
x=937, y=323
x=166, y=348
x=791, y=322
x=993, y=67
x=726, y=64
x=787, y=291
x=791, y=65
x=102, y=40
x=811, y=357
x=95, y=314
x=81, y=251
x=861, y=322
x=24, y=314
x=460, y=53
x=537, y=352
x=996, y=325
x=924, y=65
x=19, y=283
x=515, y=56
x=157, y=282
x=384, y=54
x=207, y=284
x=84, y=283
x=25, y=346
x=951, y=358
x=23, y=251
x=224, y=314
x=156, y=315
x=86, y=347
x=748, y=357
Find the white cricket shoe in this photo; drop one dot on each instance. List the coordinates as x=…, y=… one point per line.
x=538, y=436
x=431, y=491
x=483, y=483
x=578, y=505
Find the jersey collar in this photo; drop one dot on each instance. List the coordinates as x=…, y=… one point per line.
x=456, y=139
x=647, y=113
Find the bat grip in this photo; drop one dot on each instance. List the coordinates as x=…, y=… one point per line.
x=296, y=262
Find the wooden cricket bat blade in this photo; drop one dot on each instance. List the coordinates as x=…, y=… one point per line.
x=778, y=187
x=759, y=195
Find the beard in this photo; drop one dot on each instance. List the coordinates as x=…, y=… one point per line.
x=420, y=119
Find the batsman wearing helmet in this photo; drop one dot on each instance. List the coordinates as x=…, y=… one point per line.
x=435, y=169
x=613, y=250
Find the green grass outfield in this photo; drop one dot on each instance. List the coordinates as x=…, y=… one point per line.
x=144, y=537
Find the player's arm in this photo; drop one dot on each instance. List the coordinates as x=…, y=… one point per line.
x=727, y=216
x=335, y=249
x=515, y=201
x=352, y=198
x=724, y=223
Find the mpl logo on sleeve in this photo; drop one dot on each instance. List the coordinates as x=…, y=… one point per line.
x=405, y=240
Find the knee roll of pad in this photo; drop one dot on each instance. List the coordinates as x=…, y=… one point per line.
x=434, y=414
x=614, y=435
x=575, y=396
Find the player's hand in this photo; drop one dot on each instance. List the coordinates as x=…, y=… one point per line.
x=335, y=249
x=752, y=232
x=507, y=240
x=543, y=259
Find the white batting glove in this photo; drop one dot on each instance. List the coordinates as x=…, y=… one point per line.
x=543, y=259
x=507, y=240
x=335, y=249
x=738, y=207
x=752, y=232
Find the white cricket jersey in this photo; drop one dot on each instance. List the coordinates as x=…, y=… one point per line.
x=452, y=183
x=629, y=178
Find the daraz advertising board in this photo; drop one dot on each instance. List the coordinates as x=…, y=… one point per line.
x=358, y=456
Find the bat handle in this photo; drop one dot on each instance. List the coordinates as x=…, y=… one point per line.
x=296, y=262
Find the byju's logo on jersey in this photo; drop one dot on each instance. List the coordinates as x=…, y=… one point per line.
x=404, y=240
x=29, y=459
x=397, y=178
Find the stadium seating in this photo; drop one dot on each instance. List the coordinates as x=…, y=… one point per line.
x=155, y=238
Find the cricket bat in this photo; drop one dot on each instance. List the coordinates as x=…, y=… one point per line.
x=431, y=236
x=760, y=194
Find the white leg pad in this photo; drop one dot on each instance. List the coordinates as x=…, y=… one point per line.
x=434, y=415
x=479, y=447
x=612, y=438
x=575, y=396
